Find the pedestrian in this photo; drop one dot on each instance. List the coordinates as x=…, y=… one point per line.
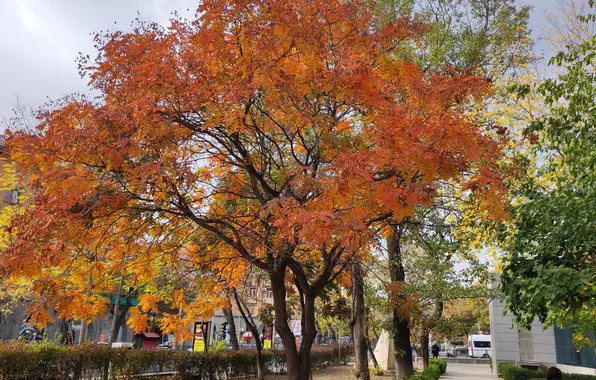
x=435, y=351
x=553, y=373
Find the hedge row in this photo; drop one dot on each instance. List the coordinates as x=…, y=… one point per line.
x=20, y=361
x=435, y=369
x=510, y=371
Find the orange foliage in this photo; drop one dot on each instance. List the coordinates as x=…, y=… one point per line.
x=263, y=133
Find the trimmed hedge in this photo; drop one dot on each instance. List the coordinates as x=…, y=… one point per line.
x=510, y=371
x=21, y=361
x=576, y=376
x=442, y=363
x=435, y=369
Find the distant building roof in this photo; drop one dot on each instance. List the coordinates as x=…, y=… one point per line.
x=150, y=335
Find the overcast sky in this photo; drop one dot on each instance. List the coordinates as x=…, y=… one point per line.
x=41, y=39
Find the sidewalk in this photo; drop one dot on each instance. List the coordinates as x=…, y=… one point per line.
x=454, y=371
x=468, y=372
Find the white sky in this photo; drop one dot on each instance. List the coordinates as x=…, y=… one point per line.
x=41, y=39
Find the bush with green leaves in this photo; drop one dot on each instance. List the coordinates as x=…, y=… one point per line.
x=575, y=376
x=441, y=363
x=20, y=361
x=434, y=370
x=510, y=371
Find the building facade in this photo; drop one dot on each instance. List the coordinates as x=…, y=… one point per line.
x=537, y=346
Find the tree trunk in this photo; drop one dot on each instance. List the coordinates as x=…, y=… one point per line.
x=358, y=321
x=282, y=328
x=309, y=333
x=123, y=310
x=65, y=335
x=371, y=352
x=231, y=327
x=319, y=332
x=375, y=333
x=298, y=362
x=424, y=340
x=401, y=329
x=252, y=326
x=113, y=331
x=83, y=332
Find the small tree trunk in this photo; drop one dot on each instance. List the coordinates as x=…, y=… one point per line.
x=401, y=329
x=122, y=311
x=83, y=333
x=371, y=352
x=232, y=328
x=113, y=331
x=319, y=332
x=65, y=338
x=375, y=333
x=424, y=340
x=358, y=322
x=252, y=326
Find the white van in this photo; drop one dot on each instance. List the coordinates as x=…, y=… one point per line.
x=479, y=346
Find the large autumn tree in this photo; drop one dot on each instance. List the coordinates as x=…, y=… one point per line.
x=281, y=131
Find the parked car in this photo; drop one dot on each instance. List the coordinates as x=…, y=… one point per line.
x=165, y=345
x=456, y=351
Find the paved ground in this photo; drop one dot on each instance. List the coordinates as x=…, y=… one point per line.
x=468, y=372
x=454, y=371
x=333, y=373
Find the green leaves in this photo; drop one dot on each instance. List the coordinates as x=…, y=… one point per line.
x=551, y=273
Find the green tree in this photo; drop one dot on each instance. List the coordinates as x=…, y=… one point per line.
x=551, y=271
x=463, y=317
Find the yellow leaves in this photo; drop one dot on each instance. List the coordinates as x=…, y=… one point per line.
x=173, y=324
x=148, y=302
x=137, y=320
x=178, y=297
x=40, y=316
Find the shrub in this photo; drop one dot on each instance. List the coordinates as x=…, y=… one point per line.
x=575, y=376
x=441, y=363
x=21, y=361
x=436, y=368
x=510, y=371
x=376, y=371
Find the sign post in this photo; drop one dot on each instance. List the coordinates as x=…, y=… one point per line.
x=200, y=340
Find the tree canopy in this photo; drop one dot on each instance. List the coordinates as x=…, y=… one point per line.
x=272, y=134
x=551, y=272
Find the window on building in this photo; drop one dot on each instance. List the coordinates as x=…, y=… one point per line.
x=567, y=353
x=268, y=293
x=526, y=345
x=11, y=197
x=252, y=292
